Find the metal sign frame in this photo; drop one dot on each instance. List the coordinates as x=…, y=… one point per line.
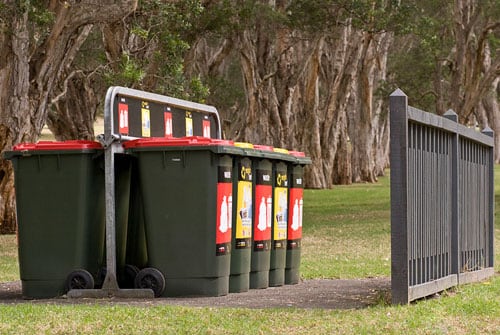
x=112, y=145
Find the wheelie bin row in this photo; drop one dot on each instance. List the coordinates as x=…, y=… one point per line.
x=178, y=230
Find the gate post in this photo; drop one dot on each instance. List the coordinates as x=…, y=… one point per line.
x=399, y=192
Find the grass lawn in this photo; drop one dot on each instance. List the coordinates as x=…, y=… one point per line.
x=346, y=235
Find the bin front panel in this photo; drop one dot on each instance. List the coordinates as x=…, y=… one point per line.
x=243, y=233
x=280, y=217
x=263, y=207
x=60, y=206
x=180, y=192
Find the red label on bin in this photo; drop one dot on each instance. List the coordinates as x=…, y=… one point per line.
x=224, y=217
x=295, y=214
x=167, y=119
x=123, y=118
x=206, y=128
x=263, y=212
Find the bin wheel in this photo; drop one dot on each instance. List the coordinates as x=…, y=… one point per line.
x=130, y=272
x=151, y=278
x=79, y=279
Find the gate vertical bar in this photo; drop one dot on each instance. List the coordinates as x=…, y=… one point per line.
x=455, y=197
x=399, y=195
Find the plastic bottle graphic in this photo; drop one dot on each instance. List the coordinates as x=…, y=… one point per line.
x=282, y=209
x=223, y=227
x=230, y=211
x=269, y=211
x=301, y=204
x=262, y=215
x=206, y=128
x=245, y=211
x=122, y=119
x=248, y=201
x=295, y=216
x=168, y=127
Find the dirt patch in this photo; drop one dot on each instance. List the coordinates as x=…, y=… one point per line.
x=315, y=293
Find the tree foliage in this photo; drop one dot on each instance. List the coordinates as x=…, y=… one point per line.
x=309, y=75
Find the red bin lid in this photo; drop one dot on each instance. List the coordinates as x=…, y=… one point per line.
x=175, y=142
x=58, y=145
x=263, y=147
x=297, y=153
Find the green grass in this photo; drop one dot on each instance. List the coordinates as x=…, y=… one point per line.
x=9, y=267
x=347, y=232
x=346, y=235
x=473, y=309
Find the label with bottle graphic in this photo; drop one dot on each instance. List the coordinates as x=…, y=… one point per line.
x=145, y=119
x=243, y=233
x=189, y=124
x=224, y=211
x=123, y=118
x=167, y=119
x=263, y=210
x=280, y=216
x=295, y=214
x=206, y=128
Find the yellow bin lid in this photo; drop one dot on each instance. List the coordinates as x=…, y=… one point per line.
x=280, y=150
x=244, y=145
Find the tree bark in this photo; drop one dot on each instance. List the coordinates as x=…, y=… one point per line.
x=364, y=120
x=313, y=93
x=15, y=115
x=492, y=108
x=31, y=72
x=470, y=80
x=74, y=111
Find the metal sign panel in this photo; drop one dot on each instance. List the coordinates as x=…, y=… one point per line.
x=137, y=114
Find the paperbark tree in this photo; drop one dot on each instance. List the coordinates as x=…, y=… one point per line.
x=470, y=78
x=454, y=60
x=303, y=87
x=38, y=43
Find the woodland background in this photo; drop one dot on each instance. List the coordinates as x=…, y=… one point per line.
x=309, y=75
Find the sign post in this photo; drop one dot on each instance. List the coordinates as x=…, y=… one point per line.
x=131, y=114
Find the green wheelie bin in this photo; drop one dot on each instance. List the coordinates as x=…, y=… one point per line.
x=242, y=217
x=60, y=212
x=263, y=199
x=280, y=218
x=124, y=223
x=136, y=257
x=295, y=206
x=186, y=186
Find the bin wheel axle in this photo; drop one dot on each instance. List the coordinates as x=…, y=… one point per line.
x=151, y=278
x=129, y=273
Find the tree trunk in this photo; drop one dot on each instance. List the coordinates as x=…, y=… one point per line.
x=74, y=111
x=15, y=115
x=30, y=73
x=365, y=119
x=313, y=93
x=491, y=106
x=470, y=80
